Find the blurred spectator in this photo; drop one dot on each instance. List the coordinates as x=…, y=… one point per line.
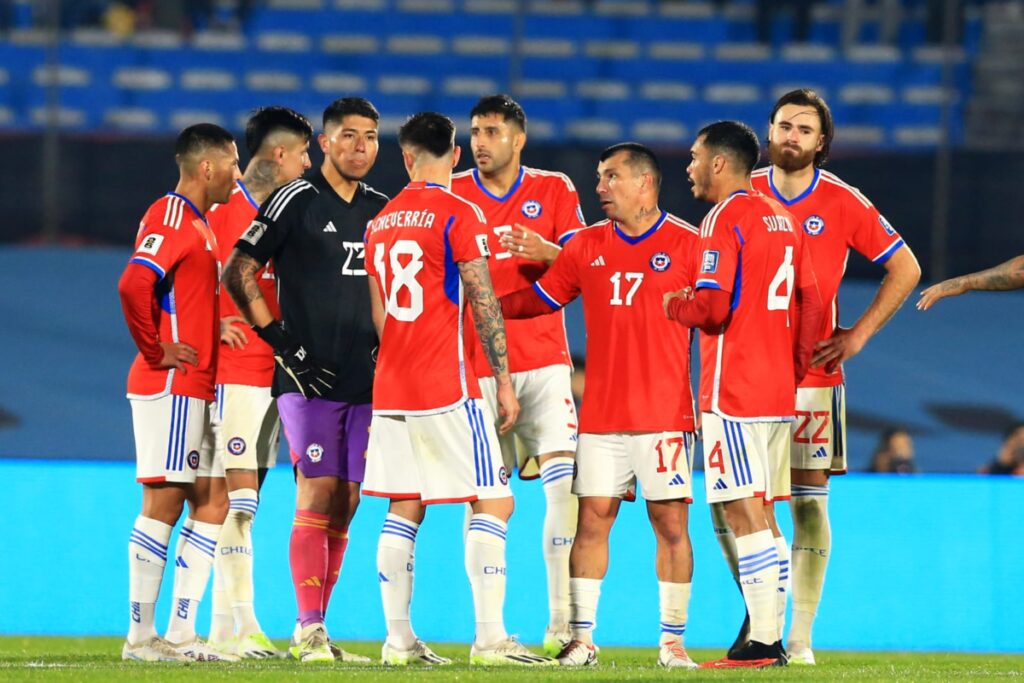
x=1010, y=458
x=768, y=9
x=890, y=14
x=894, y=453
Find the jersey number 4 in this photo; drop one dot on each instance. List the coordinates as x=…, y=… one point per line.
x=780, y=291
x=405, y=262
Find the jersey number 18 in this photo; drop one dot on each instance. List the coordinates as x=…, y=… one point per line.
x=402, y=277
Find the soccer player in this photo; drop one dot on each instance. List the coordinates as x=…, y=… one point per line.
x=757, y=304
x=1004, y=277
x=636, y=422
x=245, y=419
x=169, y=296
x=324, y=345
x=532, y=212
x=835, y=217
x=431, y=439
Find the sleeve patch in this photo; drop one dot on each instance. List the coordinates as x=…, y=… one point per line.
x=150, y=244
x=481, y=243
x=889, y=230
x=709, y=262
x=255, y=231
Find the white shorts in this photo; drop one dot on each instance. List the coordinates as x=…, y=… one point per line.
x=745, y=459
x=173, y=440
x=246, y=428
x=547, y=417
x=609, y=465
x=819, y=433
x=451, y=457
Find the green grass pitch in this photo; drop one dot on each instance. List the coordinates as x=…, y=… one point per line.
x=99, y=659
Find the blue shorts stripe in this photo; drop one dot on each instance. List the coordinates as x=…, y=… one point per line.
x=746, y=459
x=485, y=446
x=476, y=446
x=731, y=447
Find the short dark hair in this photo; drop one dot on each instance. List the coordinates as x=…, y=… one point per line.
x=639, y=156
x=348, y=106
x=199, y=137
x=267, y=120
x=805, y=97
x=500, y=104
x=735, y=139
x=429, y=131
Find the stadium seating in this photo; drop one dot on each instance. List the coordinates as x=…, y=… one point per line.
x=590, y=72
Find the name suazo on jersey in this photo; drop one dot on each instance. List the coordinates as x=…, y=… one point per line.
x=175, y=242
x=545, y=202
x=835, y=217
x=638, y=361
x=752, y=248
x=252, y=364
x=413, y=247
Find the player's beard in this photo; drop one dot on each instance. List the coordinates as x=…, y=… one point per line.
x=788, y=161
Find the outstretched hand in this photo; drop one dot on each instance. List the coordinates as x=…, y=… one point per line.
x=947, y=288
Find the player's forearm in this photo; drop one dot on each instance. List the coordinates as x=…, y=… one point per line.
x=1005, y=276
x=240, y=280
x=525, y=303
x=903, y=274
x=810, y=312
x=136, y=291
x=707, y=310
x=377, y=312
x=490, y=325
x=550, y=253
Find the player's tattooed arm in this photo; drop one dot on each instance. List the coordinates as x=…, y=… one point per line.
x=1004, y=277
x=261, y=179
x=490, y=325
x=239, y=279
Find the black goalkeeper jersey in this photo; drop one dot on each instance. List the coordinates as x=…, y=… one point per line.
x=316, y=241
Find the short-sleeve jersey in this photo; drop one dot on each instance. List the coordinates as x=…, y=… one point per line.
x=252, y=364
x=175, y=241
x=835, y=217
x=545, y=202
x=316, y=241
x=638, y=361
x=413, y=248
x=752, y=248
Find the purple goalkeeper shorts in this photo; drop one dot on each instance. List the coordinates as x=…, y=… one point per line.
x=326, y=438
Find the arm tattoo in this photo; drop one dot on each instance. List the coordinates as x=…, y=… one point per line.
x=490, y=326
x=1009, y=275
x=261, y=178
x=240, y=279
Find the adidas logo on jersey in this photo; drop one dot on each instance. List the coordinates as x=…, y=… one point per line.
x=677, y=480
x=720, y=485
x=599, y=261
x=820, y=453
x=330, y=227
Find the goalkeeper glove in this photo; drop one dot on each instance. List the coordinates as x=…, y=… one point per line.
x=312, y=379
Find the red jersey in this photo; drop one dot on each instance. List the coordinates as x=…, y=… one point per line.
x=752, y=248
x=547, y=203
x=836, y=217
x=638, y=361
x=175, y=241
x=413, y=247
x=252, y=364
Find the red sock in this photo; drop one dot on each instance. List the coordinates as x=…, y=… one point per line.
x=337, y=542
x=308, y=557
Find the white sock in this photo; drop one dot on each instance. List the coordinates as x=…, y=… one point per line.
x=812, y=545
x=759, y=580
x=395, y=569
x=583, y=597
x=673, y=603
x=559, y=532
x=485, y=565
x=147, y=556
x=196, y=543
x=234, y=556
x=726, y=539
x=782, y=548
x=222, y=623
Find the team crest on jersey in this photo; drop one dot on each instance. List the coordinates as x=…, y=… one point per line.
x=255, y=231
x=660, y=262
x=531, y=208
x=315, y=452
x=709, y=262
x=193, y=460
x=889, y=230
x=151, y=244
x=814, y=225
x=236, y=445
x=503, y=476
